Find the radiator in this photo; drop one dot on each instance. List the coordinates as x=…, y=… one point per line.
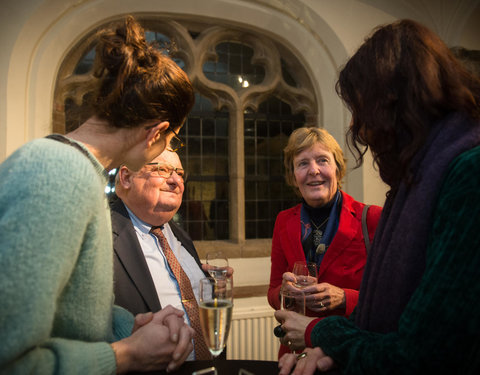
x=251, y=334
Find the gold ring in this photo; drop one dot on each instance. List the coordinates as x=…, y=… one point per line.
x=321, y=305
x=301, y=355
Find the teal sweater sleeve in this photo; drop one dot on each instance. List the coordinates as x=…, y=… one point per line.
x=56, y=279
x=439, y=331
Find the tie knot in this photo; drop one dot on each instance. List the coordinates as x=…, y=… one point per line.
x=157, y=230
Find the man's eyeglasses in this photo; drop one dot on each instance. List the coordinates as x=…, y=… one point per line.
x=166, y=170
x=175, y=143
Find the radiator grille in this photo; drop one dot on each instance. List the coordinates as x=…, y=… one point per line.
x=251, y=335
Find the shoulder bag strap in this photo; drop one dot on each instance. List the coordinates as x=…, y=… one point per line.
x=366, y=236
x=63, y=139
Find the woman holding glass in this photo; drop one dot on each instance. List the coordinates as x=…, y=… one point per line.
x=417, y=313
x=325, y=229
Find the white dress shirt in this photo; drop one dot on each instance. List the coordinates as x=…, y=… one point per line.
x=166, y=284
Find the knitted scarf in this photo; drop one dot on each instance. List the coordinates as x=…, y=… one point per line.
x=397, y=259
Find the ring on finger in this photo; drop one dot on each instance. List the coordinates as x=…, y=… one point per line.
x=301, y=355
x=289, y=343
x=321, y=305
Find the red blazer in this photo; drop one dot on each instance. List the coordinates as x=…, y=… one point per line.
x=342, y=264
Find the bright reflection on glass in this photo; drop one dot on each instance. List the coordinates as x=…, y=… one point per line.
x=243, y=82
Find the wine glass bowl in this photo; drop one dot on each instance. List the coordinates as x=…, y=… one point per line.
x=305, y=274
x=217, y=263
x=216, y=305
x=292, y=300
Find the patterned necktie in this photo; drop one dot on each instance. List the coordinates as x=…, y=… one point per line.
x=188, y=298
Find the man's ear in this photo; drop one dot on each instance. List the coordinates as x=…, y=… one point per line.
x=156, y=133
x=124, y=177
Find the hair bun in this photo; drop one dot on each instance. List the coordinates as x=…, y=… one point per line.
x=136, y=81
x=125, y=49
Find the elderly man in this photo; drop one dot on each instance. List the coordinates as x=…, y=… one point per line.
x=156, y=263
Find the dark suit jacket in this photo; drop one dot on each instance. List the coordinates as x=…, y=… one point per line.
x=133, y=284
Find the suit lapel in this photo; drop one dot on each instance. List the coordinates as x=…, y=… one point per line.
x=293, y=233
x=130, y=254
x=344, y=236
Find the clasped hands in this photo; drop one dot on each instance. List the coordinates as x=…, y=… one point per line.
x=158, y=341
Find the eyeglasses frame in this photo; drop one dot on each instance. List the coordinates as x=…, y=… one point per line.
x=175, y=135
x=172, y=169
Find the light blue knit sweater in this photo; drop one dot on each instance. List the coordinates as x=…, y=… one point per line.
x=56, y=264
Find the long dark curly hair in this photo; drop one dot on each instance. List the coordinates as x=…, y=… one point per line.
x=398, y=85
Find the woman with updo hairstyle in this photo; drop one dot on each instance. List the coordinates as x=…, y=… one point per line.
x=57, y=313
x=417, y=109
x=325, y=229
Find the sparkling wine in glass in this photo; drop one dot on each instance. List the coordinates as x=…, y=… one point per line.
x=216, y=305
x=217, y=264
x=305, y=273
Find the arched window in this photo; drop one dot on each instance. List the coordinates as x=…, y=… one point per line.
x=251, y=93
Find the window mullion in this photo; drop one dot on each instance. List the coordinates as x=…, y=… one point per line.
x=237, y=175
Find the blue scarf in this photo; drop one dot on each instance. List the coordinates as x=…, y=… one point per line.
x=333, y=219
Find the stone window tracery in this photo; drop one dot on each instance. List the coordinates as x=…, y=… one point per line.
x=251, y=93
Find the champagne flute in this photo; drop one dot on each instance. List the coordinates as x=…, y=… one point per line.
x=305, y=273
x=217, y=264
x=216, y=305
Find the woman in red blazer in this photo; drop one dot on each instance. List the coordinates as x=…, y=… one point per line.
x=326, y=228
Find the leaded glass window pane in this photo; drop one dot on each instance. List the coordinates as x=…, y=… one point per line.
x=234, y=67
x=266, y=193
x=204, y=211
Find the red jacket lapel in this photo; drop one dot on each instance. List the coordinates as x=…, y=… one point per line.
x=347, y=228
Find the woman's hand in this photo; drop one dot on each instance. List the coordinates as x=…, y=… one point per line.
x=164, y=341
x=141, y=320
x=324, y=297
x=288, y=280
x=305, y=363
x=294, y=325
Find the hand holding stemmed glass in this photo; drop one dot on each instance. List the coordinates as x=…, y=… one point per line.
x=319, y=297
x=303, y=277
x=216, y=264
x=305, y=274
x=290, y=300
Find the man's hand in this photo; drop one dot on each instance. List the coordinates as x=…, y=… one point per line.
x=230, y=270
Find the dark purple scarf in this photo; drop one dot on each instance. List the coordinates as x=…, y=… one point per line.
x=397, y=259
